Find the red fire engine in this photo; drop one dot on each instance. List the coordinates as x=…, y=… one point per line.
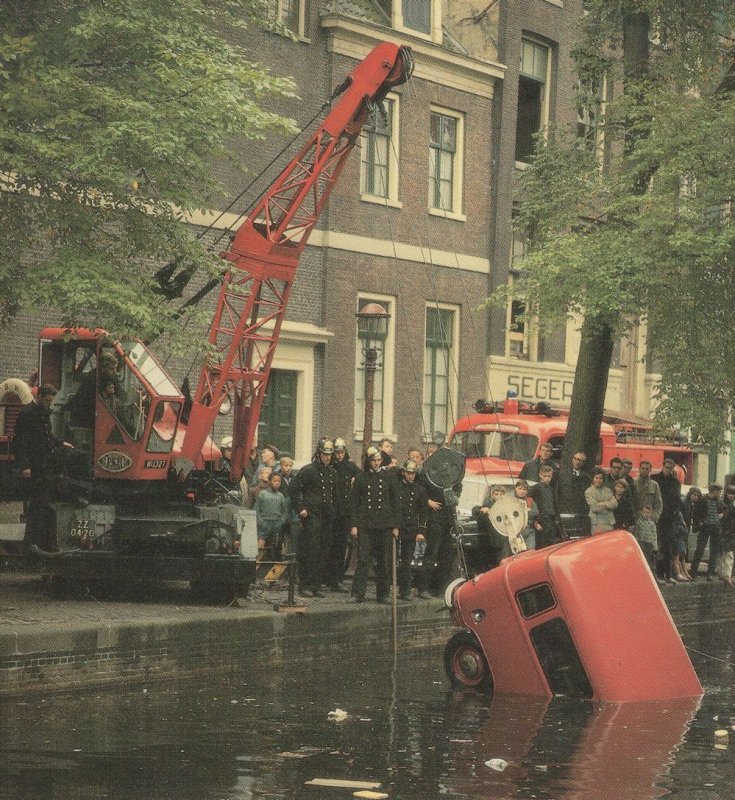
x=150, y=511
x=497, y=440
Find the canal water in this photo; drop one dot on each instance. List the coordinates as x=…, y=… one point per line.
x=267, y=735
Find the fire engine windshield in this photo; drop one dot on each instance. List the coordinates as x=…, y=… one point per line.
x=508, y=445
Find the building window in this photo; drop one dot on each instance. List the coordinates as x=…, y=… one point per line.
x=383, y=381
x=445, y=161
x=422, y=18
x=533, y=100
x=516, y=326
x=417, y=15
x=439, y=368
x=592, y=100
x=379, y=159
x=291, y=14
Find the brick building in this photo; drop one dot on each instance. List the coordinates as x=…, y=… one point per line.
x=420, y=220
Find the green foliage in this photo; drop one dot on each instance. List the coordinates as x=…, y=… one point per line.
x=111, y=117
x=650, y=234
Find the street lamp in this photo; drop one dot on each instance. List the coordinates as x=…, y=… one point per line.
x=372, y=329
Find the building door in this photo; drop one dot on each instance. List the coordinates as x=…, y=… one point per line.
x=278, y=416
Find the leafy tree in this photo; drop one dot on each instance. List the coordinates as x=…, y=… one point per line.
x=646, y=233
x=112, y=115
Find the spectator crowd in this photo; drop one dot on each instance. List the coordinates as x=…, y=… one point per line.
x=573, y=501
x=334, y=513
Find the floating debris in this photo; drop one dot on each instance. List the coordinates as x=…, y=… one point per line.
x=343, y=784
x=370, y=795
x=497, y=764
x=337, y=715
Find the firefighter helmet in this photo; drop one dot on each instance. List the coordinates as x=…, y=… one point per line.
x=226, y=443
x=325, y=446
x=340, y=444
x=373, y=452
x=410, y=466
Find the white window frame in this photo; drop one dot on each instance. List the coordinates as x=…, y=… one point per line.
x=301, y=32
x=598, y=124
x=453, y=369
x=388, y=361
x=393, y=160
x=456, y=212
x=436, y=35
x=524, y=342
x=546, y=96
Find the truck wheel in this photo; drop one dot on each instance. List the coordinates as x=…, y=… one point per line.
x=465, y=663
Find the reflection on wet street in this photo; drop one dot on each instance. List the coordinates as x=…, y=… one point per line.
x=266, y=735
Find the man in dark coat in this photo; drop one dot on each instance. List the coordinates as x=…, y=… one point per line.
x=346, y=471
x=412, y=508
x=373, y=522
x=436, y=567
x=82, y=405
x=530, y=470
x=670, y=488
x=34, y=446
x=312, y=493
x=570, y=488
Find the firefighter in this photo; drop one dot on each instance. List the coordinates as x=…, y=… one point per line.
x=313, y=496
x=373, y=521
x=347, y=471
x=35, y=457
x=436, y=567
x=412, y=507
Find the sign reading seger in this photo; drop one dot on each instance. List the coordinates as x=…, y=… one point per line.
x=529, y=387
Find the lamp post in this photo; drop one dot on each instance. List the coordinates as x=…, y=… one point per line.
x=372, y=329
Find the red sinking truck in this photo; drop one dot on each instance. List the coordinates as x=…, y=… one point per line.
x=497, y=440
x=584, y=618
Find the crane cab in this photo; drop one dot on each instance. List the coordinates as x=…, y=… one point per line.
x=115, y=404
x=583, y=618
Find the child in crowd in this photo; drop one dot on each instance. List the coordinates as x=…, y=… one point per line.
x=264, y=474
x=293, y=523
x=494, y=494
x=547, y=531
x=529, y=532
x=271, y=512
x=645, y=533
x=623, y=513
x=492, y=547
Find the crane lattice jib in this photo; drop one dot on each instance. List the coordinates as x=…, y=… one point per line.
x=264, y=255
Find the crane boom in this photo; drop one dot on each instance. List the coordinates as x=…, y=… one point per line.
x=264, y=256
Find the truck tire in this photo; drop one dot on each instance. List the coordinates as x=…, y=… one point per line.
x=465, y=663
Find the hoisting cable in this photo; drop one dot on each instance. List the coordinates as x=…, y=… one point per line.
x=165, y=273
x=168, y=269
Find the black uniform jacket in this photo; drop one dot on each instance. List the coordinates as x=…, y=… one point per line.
x=411, y=504
x=33, y=442
x=346, y=472
x=373, y=502
x=315, y=489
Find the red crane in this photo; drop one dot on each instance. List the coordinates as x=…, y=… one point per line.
x=264, y=255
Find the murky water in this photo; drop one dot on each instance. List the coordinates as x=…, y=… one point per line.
x=251, y=738
x=266, y=735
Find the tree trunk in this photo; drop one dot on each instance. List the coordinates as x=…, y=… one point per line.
x=596, y=347
x=588, y=395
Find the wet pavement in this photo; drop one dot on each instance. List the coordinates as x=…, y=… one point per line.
x=265, y=735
